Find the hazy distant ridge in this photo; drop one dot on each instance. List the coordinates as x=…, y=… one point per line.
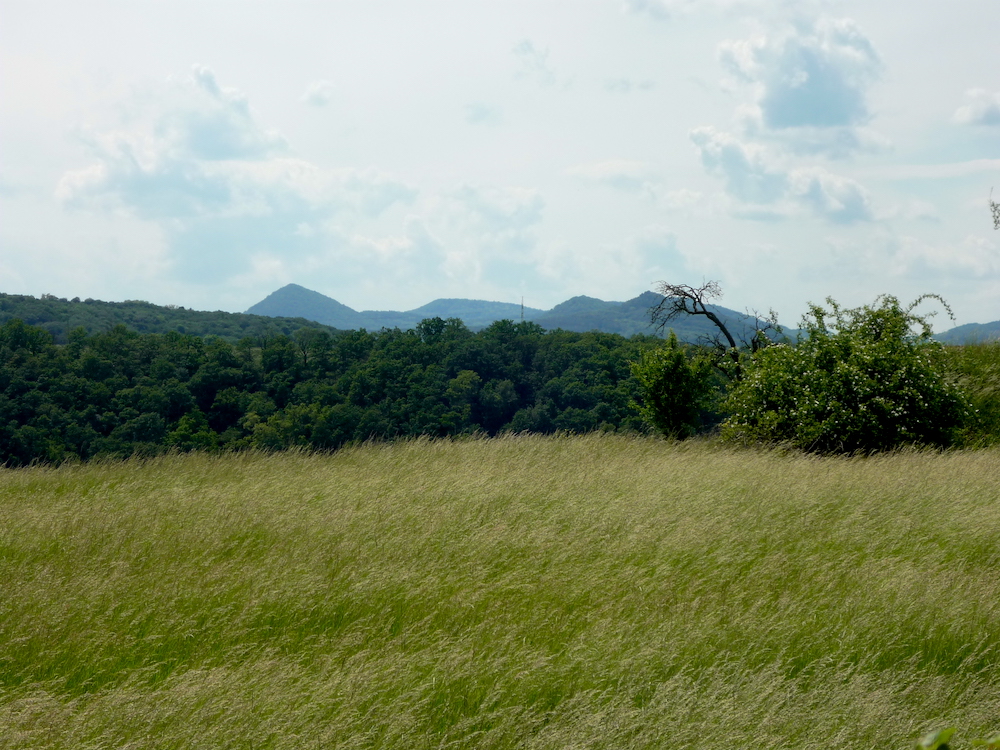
x=293, y=307
x=315, y=306
x=971, y=333
x=576, y=314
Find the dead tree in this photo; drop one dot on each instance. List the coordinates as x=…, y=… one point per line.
x=682, y=299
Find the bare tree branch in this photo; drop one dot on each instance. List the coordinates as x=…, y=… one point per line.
x=763, y=326
x=683, y=299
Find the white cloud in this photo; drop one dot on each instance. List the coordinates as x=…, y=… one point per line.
x=533, y=63
x=974, y=257
x=416, y=255
x=494, y=233
x=190, y=151
x=263, y=270
x=691, y=203
x=621, y=174
x=809, y=85
x=478, y=113
x=199, y=165
x=658, y=9
x=914, y=209
x=145, y=176
x=983, y=109
x=838, y=199
x=416, y=247
x=502, y=218
x=204, y=78
x=318, y=93
x=374, y=192
x=665, y=10
x=613, y=269
x=765, y=190
x=627, y=85
x=945, y=171
x=404, y=263
x=151, y=181
x=650, y=253
x=209, y=122
x=832, y=142
x=656, y=245
x=745, y=168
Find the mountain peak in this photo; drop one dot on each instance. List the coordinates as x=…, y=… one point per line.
x=295, y=301
x=580, y=313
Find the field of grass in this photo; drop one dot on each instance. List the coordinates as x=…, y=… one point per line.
x=522, y=592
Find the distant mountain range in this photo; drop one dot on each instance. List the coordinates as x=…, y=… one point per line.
x=328, y=311
x=293, y=307
x=971, y=333
x=576, y=314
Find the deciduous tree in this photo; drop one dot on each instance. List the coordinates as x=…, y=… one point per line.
x=673, y=388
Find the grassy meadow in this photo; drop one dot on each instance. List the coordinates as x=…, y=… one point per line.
x=519, y=592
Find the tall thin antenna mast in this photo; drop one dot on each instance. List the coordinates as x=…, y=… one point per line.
x=522, y=308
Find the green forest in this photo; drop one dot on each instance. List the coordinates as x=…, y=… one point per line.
x=59, y=316
x=861, y=380
x=120, y=392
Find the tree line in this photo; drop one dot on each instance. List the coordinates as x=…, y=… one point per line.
x=121, y=393
x=861, y=380
x=59, y=316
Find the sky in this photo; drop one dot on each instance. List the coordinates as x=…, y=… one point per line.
x=387, y=153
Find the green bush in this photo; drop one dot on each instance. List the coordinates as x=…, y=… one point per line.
x=673, y=388
x=976, y=369
x=939, y=741
x=865, y=379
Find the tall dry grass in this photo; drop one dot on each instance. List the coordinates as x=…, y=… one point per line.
x=598, y=592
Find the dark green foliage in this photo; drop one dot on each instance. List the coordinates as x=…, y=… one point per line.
x=937, y=740
x=120, y=392
x=940, y=741
x=60, y=317
x=859, y=380
x=673, y=388
x=976, y=369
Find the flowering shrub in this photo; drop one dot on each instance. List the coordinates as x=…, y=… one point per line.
x=865, y=379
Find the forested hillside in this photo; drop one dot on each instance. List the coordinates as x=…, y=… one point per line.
x=60, y=316
x=971, y=333
x=293, y=307
x=121, y=392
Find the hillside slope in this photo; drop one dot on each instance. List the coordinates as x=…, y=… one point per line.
x=294, y=301
x=971, y=333
x=580, y=314
x=60, y=316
